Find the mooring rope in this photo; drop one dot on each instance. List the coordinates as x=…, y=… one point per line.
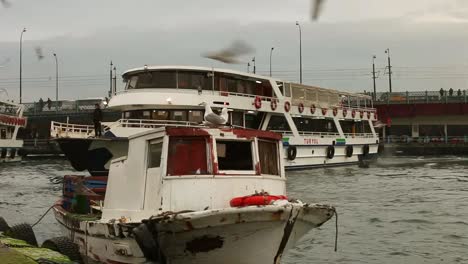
x=42, y=216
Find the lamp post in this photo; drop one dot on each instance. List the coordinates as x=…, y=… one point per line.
x=271, y=52
x=389, y=71
x=373, y=77
x=300, y=50
x=56, y=83
x=254, y=67
x=21, y=65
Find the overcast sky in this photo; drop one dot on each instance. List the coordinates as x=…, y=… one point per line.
x=427, y=38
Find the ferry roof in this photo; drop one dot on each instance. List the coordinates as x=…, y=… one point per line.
x=246, y=74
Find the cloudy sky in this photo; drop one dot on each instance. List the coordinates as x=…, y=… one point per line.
x=427, y=38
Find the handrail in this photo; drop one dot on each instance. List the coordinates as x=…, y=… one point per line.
x=359, y=135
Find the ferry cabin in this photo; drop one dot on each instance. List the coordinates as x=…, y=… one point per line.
x=317, y=124
x=10, y=121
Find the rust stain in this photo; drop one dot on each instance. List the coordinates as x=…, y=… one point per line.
x=205, y=243
x=258, y=169
x=222, y=220
x=276, y=216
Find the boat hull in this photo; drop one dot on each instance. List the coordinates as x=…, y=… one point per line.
x=231, y=235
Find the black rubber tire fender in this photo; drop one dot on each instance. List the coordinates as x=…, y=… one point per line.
x=330, y=152
x=365, y=150
x=292, y=152
x=64, y=246
x=4, y=227
x=349, y=151
x=23, y=232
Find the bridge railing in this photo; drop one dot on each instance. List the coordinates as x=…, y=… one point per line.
x=62, y=106
x=422, y=97
x=427, y=139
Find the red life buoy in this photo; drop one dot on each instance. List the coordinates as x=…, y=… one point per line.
x=324, y=111
x=335, y=111
x=287, y=106
x=345, y=112
x=258, y=102
x=312, y=109
x=301, y=107
x=255, y=200
x=353, y=113
x=274, y=104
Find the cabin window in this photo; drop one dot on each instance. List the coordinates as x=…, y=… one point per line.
x=315, y=125
x=195, y=116
x=234, y=155
x=278, y=123
x=179, y=115
x=253, y=120
x=131, y=84
x=160, y=115
x=156, y=79
x=187, y=156
x=268, y=152
x=194, y=80
x=154, y=155
x=287, y=89
x=237, y=118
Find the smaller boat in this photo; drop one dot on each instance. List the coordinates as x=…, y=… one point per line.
x=189, y=195
x=11, y=119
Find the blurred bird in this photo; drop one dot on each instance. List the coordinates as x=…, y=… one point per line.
x=231, y=54
x=5, y=3
x=39, y=53
x=316, y=8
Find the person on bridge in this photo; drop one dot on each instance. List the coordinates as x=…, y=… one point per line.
x=97, y=118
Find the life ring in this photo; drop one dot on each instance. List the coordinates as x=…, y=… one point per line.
x=301, y=107
x=273, y=104
x=353, y=113
x=258, y=102
x=256, y=199
x=312, y=109
x=365, y=150
x=349, y=151
x=324, y=111
x=335, y=111
x=330, y=152
x=291, y=152
x=345, y=112
x=287, y=106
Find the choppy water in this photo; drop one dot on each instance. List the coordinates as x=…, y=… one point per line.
x=401, y=210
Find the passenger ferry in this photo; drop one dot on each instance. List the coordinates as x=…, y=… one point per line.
x=187, y=195
x=320, y=127
x=11, y=119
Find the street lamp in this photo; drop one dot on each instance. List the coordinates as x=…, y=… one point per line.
x=373, y=77
x=21, y=64
x=271, y=51
x=300, y=50
x=56, y=83
x=254, y=67
x=389, y=71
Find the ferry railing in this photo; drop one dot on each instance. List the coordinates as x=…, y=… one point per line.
x=60, y=130
x=359, y=135
x=263, y=98
x=150, y=123
x=307, y=133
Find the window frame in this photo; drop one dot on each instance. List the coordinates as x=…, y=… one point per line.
x=253, y=149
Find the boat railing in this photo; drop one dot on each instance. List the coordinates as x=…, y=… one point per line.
x=359, y=135
x=151, y=123
x=308, y=133
x=61, y=130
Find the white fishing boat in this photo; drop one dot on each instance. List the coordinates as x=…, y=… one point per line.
x=11, y=120
x=320, y=127
x=188, y=195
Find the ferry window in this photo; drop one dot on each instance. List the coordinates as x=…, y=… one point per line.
x=157, y=79
x=287, y=89
x=237, y=118
x=281, y=87
x=278, y=123
x=234, y=155
x=187, y=156
x=179, y=115
x=146, y=115
x=195, y=116
x=253, y=120
x=154, y=155
x=268, y=152
x=160, y=115
x=131, y=84
x=315, y=125
x=193, y=80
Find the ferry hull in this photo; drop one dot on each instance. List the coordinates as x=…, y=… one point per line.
x=230, y=235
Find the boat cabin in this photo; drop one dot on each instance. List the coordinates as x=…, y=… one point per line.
x=175, y=169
